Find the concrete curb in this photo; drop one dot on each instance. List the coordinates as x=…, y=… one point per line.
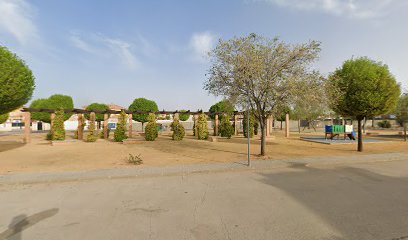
x=257, y=165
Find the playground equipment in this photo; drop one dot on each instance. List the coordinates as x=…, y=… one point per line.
x=335, y=130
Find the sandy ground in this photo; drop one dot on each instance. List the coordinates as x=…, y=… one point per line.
x=40, y=156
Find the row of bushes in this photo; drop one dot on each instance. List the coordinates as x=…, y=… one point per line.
x=151, y=130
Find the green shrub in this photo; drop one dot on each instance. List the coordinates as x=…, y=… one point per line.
x=184, y=117
x=49, y=136
x=151, y=130
x=202, y=127
x=3, y=118
x=256, y=126
x=251, y=125
x=120, y=132
x=178, y=130
x=58, y=130
x=384, y=124
x=102, y=135
x=226, y=128
x=92, y=135
x=135, y=159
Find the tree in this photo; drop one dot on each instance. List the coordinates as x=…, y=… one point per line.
x=402, y=113
x=92, y=135
x=151, y=131
x=3, y=118
x=120, y=132
x=97, y=107
x=221, y=106
x=311, y=103
x=363, y=88
x=226, y=128
x=183, y=117
x=269, y=71
x=178, y=130
x=202, y=127
x=54, y=102
x=16, y=81
x=143, y=105
x=58, y=130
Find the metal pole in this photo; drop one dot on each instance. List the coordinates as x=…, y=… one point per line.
x=248, y=134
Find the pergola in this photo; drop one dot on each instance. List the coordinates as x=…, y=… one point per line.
x=81, y=112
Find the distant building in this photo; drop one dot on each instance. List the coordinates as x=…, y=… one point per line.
x=16, y=121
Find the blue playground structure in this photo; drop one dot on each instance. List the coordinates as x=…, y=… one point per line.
x=331, y=131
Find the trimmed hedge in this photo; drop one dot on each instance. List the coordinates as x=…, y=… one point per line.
x=178, y=130
x=58, y=130
x=92, y=135
x=151, y=131
x=226, y=128
x=120, y=132
x=202, y=127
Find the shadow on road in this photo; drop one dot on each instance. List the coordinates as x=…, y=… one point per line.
x=21, y=222
x=358, y=203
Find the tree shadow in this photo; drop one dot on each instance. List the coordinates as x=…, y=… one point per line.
x=358, y=203
x=21, y=222
x=10, y=145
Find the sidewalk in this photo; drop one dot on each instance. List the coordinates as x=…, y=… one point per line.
x=239, y=166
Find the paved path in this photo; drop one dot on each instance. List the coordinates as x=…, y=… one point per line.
x=303, y=201
x=239, y=166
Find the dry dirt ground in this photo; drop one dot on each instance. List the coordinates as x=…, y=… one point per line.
x=40, y=156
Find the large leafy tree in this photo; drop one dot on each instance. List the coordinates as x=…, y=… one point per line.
x=54, y=102
x=99, y=117
x=183, y=116
x=402, y=113
x=143, y=105
x=268, y=70
x=222, y=106
x=363, y=88
x=16, y=81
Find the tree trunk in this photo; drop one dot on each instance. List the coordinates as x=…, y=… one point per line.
x=142, y=127
x=263, y=135
x=405, y=132
x=299, y=125
x=360, y=136
x=281, y=125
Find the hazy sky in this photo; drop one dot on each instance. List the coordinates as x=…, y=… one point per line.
x=116, y=51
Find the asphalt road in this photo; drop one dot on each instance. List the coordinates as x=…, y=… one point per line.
x=364, y=201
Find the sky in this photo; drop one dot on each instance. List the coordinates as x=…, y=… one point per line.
x=115, y=51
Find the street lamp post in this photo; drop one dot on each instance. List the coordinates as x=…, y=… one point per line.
x=248, y=132
x=252, y=35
